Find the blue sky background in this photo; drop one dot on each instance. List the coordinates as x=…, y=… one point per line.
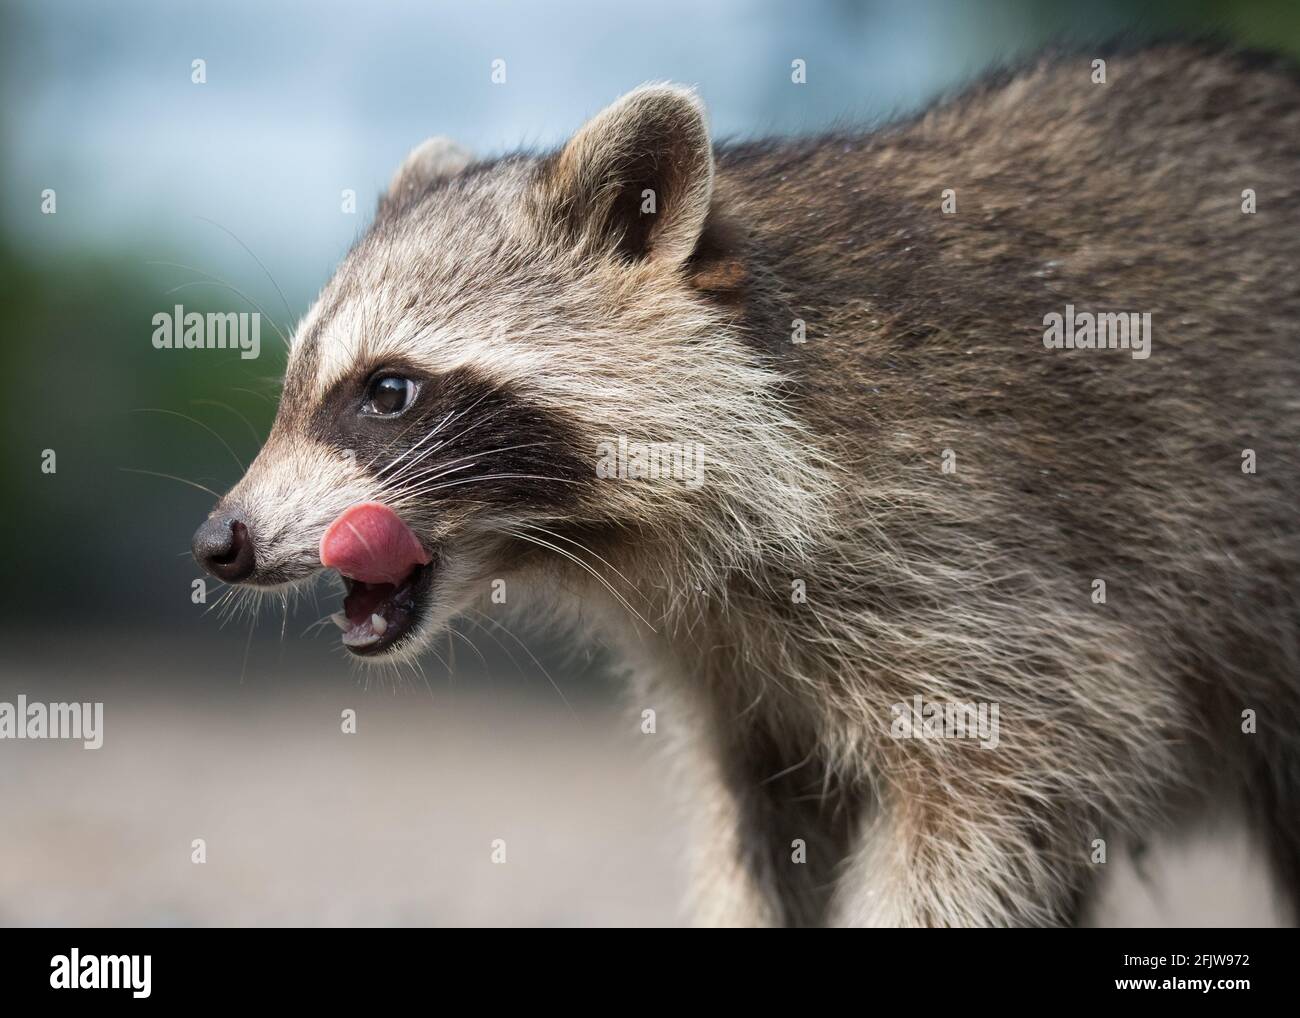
x=306, y=98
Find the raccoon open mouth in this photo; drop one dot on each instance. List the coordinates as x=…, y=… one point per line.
x=386, y=571
x=376, y=616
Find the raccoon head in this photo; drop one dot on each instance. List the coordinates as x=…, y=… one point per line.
x=502, y=329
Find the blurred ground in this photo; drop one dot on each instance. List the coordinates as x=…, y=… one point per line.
x=394, y=825
x=308, y=826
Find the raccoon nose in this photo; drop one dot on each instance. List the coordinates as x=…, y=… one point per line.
x=223, y=546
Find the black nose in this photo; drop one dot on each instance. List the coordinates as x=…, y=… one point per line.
x=224, y=548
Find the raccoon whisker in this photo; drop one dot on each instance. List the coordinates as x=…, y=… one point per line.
x=588, y=568
x=385, y=675
x=441, y=424
x=287, y=310
x=420, y=492
x=470, y=408
x=317, y=624
x=217, y=280
x=504, y=448
x=243, y=668
x=418, y=669
x=238, y=292
x=405, y=478
x=389, y=466
x=439, y=445
x=253, y=392
x=424, y=488
x=226, y=406
x=402, y=434
x=404, y=474
x=405, y=471
x=193, y=420
x=423, y=475
x=226, y=603
x=524, y=647
x=491, y=636
x=582, y=547
x=452, y=630
x=215, y=605
x=442, y=661
x=245, y=602
x=229, y=606
x=170, y=477
x=477, y=424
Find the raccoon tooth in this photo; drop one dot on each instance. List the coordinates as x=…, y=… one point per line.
x=378, y=623
x=360, y=638
x=341, y=620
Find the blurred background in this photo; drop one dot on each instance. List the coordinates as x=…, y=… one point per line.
x=227, y=196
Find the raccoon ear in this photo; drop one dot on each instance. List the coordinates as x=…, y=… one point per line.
x=637, y=178
x=429, y=162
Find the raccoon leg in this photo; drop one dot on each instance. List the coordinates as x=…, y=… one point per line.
x=770, y=822
x=787, y=827
x=1275, y=795
x=977, y=863
x=725, y=888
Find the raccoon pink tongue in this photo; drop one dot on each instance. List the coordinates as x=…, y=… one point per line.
x=370, y=543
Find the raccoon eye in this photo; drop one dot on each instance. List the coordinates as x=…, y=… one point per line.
x=389, y=394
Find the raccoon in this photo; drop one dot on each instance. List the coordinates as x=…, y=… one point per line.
x=910, y=493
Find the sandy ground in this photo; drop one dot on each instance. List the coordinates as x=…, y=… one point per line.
x=394, y=825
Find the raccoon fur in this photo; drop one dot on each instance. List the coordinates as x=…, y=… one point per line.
x=906, y=489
